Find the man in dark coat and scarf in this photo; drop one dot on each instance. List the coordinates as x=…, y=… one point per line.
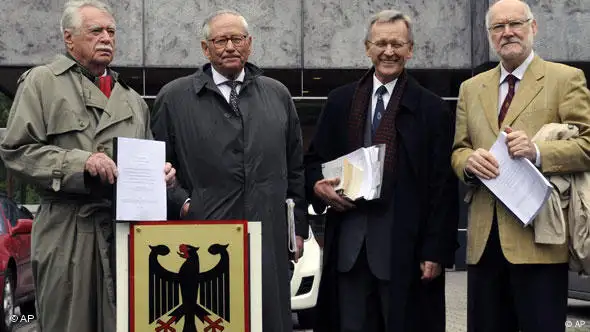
x=235, y=140
x=384, y=259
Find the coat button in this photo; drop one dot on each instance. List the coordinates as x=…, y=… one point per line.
x=81, y=124
x=100, y=148
x=227, y=115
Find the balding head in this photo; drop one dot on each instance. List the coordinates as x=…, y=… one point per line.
x=511, y=30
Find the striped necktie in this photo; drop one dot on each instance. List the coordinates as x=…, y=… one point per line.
x=233, y=96
x=511, y=79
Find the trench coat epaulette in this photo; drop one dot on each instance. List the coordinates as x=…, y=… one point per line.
x=23, y=76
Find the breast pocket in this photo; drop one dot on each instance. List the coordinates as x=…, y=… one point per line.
x=68, y=130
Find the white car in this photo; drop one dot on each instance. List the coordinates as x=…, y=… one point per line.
x=306, y=280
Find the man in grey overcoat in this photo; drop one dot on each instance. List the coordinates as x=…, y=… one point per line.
x=235, y=139
x=59, y=138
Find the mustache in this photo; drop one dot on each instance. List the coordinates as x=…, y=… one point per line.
x=509, y=41
x=108, y=48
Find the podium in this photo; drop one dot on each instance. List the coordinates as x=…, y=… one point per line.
x=202, y=276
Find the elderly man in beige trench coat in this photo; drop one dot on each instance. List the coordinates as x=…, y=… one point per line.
x=59, y=138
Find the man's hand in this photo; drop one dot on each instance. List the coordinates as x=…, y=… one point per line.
x=100, y=164
x=299, y=253
x=430, y=270
x=324, y=189
x=170, y=175
x=482, y=164
x=519, y=145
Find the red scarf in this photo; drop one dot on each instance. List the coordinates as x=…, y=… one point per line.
x=105, y=85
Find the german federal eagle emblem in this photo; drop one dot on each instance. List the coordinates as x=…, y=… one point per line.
x=189, y=283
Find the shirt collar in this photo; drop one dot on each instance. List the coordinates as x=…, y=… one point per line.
x=389, y=86
x=519, y=71
x=220, y=79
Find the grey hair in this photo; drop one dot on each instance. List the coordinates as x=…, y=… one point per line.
x=206, y=28
x=71, y=18
x=527, y=10
x=390, y=16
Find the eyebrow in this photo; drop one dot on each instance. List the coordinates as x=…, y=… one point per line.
x=94, y=26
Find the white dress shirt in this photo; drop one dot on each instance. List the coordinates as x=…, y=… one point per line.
x=386, y=96
x=519, y=73
x=224, y=88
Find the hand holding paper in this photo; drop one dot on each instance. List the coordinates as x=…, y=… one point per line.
x=519, y=185
x=360, y=173
x=325, y=190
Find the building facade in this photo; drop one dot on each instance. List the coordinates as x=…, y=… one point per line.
x=312, y=46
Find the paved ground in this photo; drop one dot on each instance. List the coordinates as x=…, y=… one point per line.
x=578, y=311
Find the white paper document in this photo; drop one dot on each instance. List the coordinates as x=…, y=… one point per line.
x=520, y=185
x=140, y=190
x=360, y=172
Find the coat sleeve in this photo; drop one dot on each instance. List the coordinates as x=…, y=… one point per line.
x=25, y=149
x=572, y=155
x=462, y=146
x=163, y=130
x=439, y=240
x=320, y=150
x=295, y=171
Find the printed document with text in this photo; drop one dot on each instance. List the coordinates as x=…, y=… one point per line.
x=140, y=190
x=520, y=185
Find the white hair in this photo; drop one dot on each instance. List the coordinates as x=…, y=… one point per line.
x=390, y=16
x=206, y=29
x=71, y=19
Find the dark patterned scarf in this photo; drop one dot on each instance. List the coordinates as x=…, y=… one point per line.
x=386, y=132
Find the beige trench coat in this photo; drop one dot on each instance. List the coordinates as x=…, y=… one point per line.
x=58, y=119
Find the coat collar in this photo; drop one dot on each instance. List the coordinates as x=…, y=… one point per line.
x=412, y=94
x=203, y=77
x=64, y=62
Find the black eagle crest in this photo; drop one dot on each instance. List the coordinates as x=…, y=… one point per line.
x=179, y=291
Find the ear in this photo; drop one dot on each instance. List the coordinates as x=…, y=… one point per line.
x=205, y=48
x=68, y=39
x=367, y=48
x=534, y=26
x=410, y=51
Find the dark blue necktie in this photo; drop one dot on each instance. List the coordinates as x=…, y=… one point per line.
x=379, y=110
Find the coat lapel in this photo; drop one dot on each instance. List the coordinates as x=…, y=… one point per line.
x=406, y=125
x=116, y=108
x=488, y=97
x=528, y=89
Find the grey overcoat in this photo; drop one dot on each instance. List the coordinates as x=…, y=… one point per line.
x=238, y=166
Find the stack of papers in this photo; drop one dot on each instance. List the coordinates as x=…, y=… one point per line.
x=520, y=185
x=360, y=173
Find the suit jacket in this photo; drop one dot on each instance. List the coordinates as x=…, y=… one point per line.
x=424, y=203
x=549, y=92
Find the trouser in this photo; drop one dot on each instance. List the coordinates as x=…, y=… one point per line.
x=505, y=297
x=364, y=299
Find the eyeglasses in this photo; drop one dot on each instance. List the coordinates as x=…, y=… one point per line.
x=221, y=42
x=382, y=44
x=513, y=25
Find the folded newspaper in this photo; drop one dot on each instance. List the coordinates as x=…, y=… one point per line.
x=360, y=172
